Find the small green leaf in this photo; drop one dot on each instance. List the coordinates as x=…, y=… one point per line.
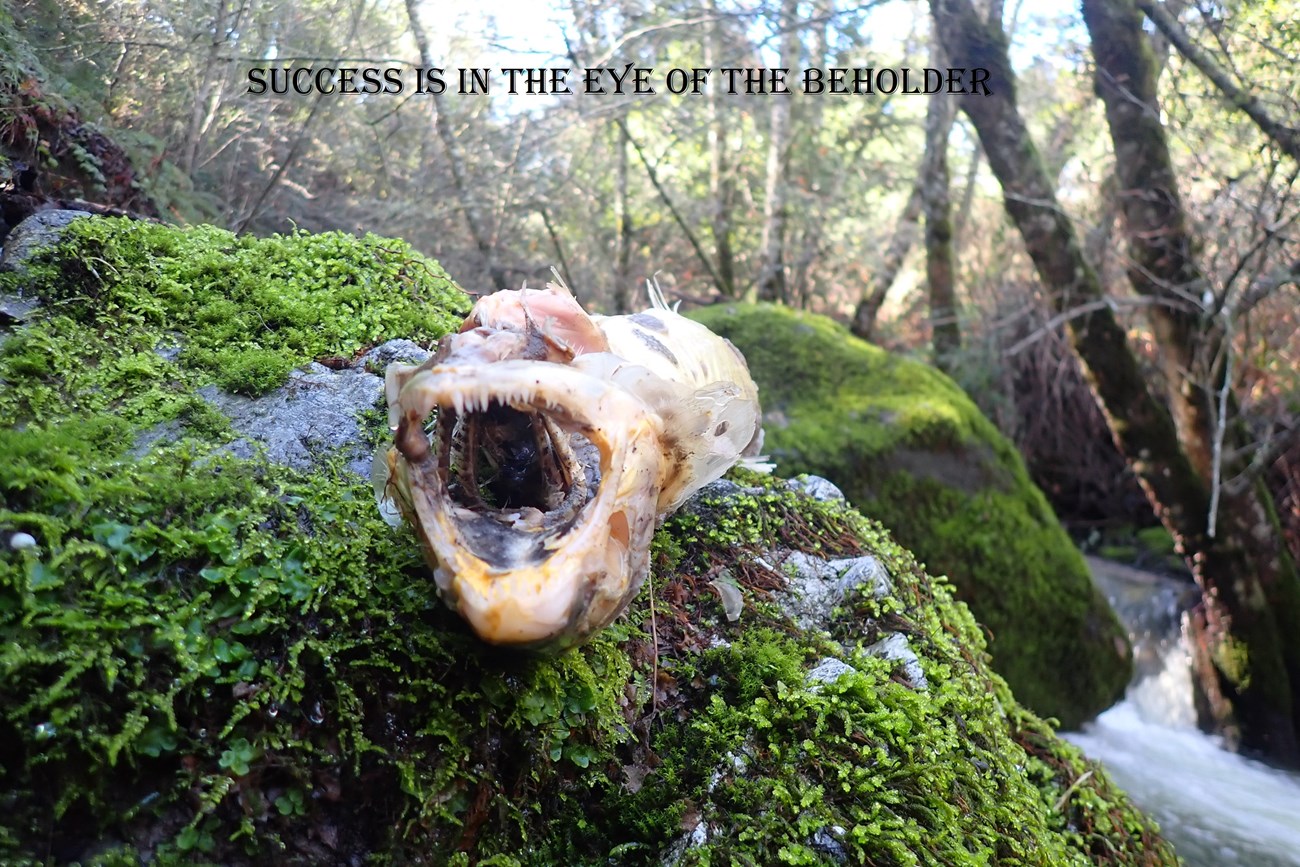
x=188, y=839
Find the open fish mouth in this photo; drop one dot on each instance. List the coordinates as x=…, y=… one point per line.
x=536, y=450
x=533, y=490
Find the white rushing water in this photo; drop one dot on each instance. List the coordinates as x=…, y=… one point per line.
x=1218, y=809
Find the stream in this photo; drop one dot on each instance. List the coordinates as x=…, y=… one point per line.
x=1217, y=808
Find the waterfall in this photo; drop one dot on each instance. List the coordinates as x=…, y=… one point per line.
x=1218, y=808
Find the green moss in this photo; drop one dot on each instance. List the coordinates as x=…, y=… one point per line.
x=911, y=450
x=196, y=646
x=1118, y=553
x=247, y=310
x=1157, y=540
x=891, y=774
x=215, y=660
x=252, y=371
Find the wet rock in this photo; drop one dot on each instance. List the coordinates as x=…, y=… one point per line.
x=39, y=230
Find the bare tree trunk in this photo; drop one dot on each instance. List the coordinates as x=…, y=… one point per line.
x=478, y=232
x=940, y=266
x=939, y=121
x=1160, y=43
x=721, y=189
x=211, y=79
x=900, y=244
x=1246, y=573
x=672, y=207
x=968, y=192
x=623, y=252
x=1143, y=429
x=996, y=9
x=283, y=168
x=772, y=277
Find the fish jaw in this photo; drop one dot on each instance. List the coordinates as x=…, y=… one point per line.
x=575, y=569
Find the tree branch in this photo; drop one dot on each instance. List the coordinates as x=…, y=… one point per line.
x=672, y=208
x=1285, y=137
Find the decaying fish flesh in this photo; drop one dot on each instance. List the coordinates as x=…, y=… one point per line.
x=536, y=450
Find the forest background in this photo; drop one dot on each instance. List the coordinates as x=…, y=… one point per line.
x=1130, y=323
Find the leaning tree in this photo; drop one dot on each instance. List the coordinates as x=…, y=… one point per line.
x=1189, y=450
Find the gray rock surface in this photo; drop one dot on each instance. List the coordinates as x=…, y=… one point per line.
x=825, y=843
x=167, y=432
x=170, y=349
x=895, y=646
x=815, y=586
x=306, y=421
x=693, y=839
x=16, y=309
x=816, y=487
x=828, y=670
x=385, y=354
x=39, y=230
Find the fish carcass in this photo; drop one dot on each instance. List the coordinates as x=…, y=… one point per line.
x=536, y=450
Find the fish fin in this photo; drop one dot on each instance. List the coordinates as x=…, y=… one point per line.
x=707, y=430
x=396, y=376
x=385, y=485
x=558, y=285
x=657, y=299
x=560, y=320
x=752, y=457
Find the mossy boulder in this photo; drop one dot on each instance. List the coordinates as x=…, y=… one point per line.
x=912, y=451
x=214, y=658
